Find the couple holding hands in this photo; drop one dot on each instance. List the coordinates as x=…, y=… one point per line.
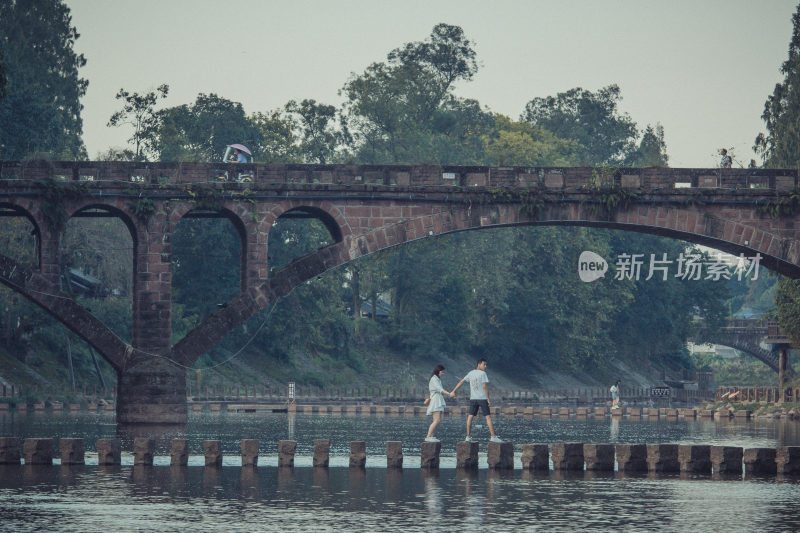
x=478, y=399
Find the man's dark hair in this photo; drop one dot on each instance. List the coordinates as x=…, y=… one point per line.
x=482, y=360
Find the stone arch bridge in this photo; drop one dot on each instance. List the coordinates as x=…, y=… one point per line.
x=748, y=335
x=366, y=209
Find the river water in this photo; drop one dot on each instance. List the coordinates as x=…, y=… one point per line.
x=195, y=498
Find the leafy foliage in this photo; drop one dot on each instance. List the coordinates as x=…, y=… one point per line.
x=139, y=111
x=404, y=111
x=780, y=147
x=592, y=119
x=40, y=109
x=787, y=302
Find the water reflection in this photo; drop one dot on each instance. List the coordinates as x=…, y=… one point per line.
x=433, y=496
x=290, y=420
x=164, y=498
x=614, y=433
x=249, y=483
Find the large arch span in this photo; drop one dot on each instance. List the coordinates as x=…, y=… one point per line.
x=365, y=209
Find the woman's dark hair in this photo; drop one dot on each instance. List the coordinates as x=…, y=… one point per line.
x=436, y=370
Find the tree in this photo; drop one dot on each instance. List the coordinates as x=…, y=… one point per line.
x=318, y=137
x=41, y=109
x=139, y=111
x=201, y=131
x=780, y=147
x=403, y=110
x=787, y=302
x=445, y=58
x=277, y=141
x=592, y=119
x=652, y=150
x=521, y=144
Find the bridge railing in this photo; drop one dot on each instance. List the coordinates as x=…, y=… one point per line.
x=748, y=323
x=310, y=394
x=401, y=176
x=574, y=396
x=756, y=394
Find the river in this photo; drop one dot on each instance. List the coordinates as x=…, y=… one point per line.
x=232, y=498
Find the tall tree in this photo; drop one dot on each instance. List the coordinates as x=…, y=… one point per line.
x=780, y=147
x=139, y=111
x=652, y=149
x=787, y=302
x=403, y=110
x=41, y=109
x=319, y=138
x=277, y=137
x=593, y=119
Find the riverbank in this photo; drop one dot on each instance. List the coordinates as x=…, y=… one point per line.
x=42, y=379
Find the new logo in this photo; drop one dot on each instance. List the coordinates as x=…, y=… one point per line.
x=591, y=266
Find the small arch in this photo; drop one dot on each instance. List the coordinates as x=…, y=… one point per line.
x=207, y=277
x=96, y=210
x=221, y=212
x=317, y=213
x=281, y=246
x=97, y=251
x=9, y=211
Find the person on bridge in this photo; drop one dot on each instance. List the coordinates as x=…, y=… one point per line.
x=615, y=395
x=726, y=161
x=239, y=157
x=478, y=398
x=436, y=402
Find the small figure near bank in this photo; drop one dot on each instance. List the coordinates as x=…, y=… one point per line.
x=478, y=398
x=726, y=161
x=615, y=395
x=436, y=404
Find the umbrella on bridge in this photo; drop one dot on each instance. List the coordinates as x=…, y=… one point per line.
x=241, y=147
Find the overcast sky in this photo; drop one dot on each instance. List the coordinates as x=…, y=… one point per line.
x=703, y=69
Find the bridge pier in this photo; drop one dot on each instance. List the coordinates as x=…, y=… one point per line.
x=151, y=390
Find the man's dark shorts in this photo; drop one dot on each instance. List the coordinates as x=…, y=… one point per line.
x=483, y=405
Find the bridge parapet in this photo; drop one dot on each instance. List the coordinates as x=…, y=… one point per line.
x=549, y=178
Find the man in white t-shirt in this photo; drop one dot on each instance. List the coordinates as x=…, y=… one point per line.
x=478, y=398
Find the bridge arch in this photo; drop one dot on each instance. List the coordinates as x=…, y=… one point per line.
x=769, y=358
x=333, y=220
x=14, y=209
x=123, y=213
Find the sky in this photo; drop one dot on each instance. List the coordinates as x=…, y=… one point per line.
x=701, y=68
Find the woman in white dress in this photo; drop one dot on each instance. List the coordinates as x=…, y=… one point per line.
x=436, y=405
